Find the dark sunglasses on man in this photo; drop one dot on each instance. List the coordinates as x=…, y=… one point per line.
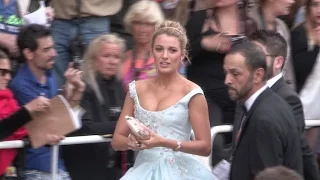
x=4, y=72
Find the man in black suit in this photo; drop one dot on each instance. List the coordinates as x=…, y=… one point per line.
x=266, y=135
x=275, y=48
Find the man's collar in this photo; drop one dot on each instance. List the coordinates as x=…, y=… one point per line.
x=28, y=73
x=249, y=102
x=273, y=80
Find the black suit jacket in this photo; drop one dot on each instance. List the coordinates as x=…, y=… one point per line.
x=310, y=168
x=269, y=138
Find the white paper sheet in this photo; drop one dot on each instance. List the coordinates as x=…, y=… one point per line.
x=76, y=112
x=37, y=17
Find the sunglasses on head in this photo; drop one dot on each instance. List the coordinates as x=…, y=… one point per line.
x=4, y=72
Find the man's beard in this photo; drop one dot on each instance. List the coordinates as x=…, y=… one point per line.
x=243, y=92
x=46, y=66
x=269, y=71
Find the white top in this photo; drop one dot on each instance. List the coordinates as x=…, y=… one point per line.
x=310, y=95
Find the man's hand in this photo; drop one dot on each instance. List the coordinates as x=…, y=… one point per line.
x=50, y=13
x=74, y=86
x=54, y=139
x=73, y=77
x=39, y=104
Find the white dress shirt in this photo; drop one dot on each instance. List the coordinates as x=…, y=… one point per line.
x=273, y=80
x=249, y=102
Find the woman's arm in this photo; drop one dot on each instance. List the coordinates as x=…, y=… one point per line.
x=120, y=136
x=201, y=39
x=12, y=123
x=199, y=117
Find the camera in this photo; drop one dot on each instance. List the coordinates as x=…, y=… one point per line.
x=78, y=47
x=237, y=39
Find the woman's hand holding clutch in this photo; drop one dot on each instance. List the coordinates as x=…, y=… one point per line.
x=135, y=143
x=138, y=129
x=141, y=136
x=154, y=141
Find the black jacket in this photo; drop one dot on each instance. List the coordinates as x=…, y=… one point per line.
x=310, y=168
x=303, y=57
x=269, y=137
x=91, y=161
x=12, y=123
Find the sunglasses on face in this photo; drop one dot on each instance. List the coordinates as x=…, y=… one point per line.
x=4, y=72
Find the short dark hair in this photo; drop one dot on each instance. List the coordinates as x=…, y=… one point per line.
x=253, y=54
x=274, y=42
x=278, y=173
x=28, y=36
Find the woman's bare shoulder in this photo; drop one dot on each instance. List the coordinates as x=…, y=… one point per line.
x=189, y=86
x=143, y=84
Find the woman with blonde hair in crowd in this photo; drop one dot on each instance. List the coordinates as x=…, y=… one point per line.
x=140, y=21
x=170, y=106
x=102, y=101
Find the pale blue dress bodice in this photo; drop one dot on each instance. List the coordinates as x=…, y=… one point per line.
x=162, y=163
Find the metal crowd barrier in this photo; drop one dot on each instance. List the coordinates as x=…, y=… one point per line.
x=312, y=123
x=55, y=148
x=228, y=128
x=98, y=139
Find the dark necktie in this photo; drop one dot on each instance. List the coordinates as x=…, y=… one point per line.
x=244, y=116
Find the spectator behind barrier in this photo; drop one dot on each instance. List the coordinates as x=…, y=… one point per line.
x=266, y=17
x=72, y=35
x=8, y=105
x=11, y=12
x=275, y=47
x=210, y=33
x=305, y=42
x=103, y=101
x=140, y=21
x=35, y=79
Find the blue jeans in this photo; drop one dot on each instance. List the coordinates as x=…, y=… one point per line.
x=65, y=31
x=39, y=175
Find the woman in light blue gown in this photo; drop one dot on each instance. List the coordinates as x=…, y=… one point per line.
x=170, y=106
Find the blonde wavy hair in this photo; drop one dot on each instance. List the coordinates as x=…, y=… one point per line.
x=89, y=60
x=144, y=10
x=175, y=29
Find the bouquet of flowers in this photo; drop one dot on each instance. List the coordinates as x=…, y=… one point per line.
x=137, y=128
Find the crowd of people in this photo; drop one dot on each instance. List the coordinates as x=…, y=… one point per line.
x=178, y=66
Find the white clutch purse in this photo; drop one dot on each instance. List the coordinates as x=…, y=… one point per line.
x=137, y=128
